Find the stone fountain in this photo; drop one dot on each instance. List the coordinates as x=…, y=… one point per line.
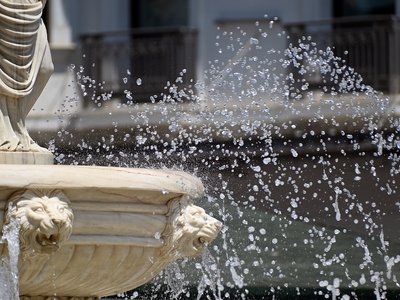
x=85, y=232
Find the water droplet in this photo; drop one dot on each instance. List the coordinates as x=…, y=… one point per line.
x=266, y=161
x=256, y=168
x=271, y=24
x=139, y=81
x=323, y=283
x=254, y=41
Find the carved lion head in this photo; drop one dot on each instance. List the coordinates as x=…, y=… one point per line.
x=189, y=229
x=46, y=220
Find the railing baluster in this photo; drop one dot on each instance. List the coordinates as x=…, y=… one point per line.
x=372, y=43
x=156, y=56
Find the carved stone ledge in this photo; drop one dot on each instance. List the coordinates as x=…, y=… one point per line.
x=26, y=158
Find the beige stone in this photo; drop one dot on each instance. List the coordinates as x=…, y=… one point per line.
x=26, y=158
x=25, y=67
x=127, y=225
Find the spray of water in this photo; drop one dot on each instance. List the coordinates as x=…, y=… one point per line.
x=297, y=172
x=9, y=260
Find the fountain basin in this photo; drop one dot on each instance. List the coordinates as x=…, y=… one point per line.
x=126, y=226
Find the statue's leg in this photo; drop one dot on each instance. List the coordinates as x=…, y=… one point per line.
x=44, y=74
x=9, y=140
x=13, y=133
x=45, y=71
x=15, y=112
x=16, y=109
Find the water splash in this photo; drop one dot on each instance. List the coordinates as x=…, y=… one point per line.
x=175, y=280
x=211, y=276
x=293, y=148
x=9, y=261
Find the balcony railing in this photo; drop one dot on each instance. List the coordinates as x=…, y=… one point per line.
x=141, y=61
x=371, y=44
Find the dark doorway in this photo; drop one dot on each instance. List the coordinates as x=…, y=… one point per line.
x=159, y=13
x=347, y=8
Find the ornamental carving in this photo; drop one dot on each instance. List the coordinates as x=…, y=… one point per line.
x=46, y=220
x=188, y=230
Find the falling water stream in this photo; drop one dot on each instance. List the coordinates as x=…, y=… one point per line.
x=9, y=262
x=303, y=177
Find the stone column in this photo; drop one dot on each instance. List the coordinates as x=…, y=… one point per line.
x=60, y=28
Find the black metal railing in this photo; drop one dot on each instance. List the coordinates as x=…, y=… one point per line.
x=371, y=45
x=141, y=61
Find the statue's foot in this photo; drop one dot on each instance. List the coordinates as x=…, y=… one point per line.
x=26, y=144
x=36, y=148
x=11, y=144
x=29, y=143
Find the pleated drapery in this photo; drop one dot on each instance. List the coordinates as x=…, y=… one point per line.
x=23, y=41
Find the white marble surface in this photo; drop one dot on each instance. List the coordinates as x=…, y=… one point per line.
x=26, y=66
x=27, y=158
x=128, y=225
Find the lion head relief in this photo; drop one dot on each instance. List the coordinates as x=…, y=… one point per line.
x=46, y=220
x=189, y=229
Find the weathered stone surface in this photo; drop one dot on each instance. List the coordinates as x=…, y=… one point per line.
x=25, y=68
x=127, y=225
x=26, y=158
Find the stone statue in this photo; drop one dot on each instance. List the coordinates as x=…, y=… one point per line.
x=25, y=67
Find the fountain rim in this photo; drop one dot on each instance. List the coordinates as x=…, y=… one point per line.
x=98, y=177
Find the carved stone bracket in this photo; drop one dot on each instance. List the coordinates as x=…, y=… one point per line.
x=188, y=230
x=46, y=220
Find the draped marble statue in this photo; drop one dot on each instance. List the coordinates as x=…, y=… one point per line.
x=25, y=67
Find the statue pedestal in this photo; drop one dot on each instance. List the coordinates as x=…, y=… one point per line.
x=27, y=158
